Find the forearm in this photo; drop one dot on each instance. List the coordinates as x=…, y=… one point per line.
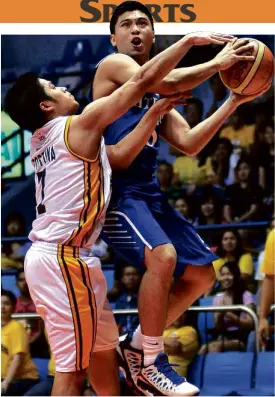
x=158, y=67
x=184, y=79
x=13, y=368
x=267, y=296
x=124, y=152
x=196, y=138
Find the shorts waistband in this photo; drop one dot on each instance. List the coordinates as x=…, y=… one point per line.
x=60, y=249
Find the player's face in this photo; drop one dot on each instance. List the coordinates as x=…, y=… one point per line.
x=226, y=278
x=229, y=242
x=63, y=102
x=134, y=35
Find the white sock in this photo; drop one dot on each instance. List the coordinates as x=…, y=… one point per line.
x=152, y=346
x=136, y=341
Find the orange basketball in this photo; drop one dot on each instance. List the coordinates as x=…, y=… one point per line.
x=249, y=77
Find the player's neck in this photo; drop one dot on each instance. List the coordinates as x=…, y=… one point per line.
x=141, y=59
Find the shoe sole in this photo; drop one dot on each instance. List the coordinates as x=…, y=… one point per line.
x=154, y=392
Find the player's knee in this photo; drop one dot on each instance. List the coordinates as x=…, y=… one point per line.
x=166, y=258
x=72, y=380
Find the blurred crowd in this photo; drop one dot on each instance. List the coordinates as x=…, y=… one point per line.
x=231, y=181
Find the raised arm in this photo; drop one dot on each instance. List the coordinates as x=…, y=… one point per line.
x=125, y=151
x=177, y=132
x=118, y=69
x=104, y=111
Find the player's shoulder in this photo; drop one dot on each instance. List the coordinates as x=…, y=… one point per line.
x=115, y=60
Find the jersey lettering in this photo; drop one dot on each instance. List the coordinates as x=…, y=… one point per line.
x=41, y=209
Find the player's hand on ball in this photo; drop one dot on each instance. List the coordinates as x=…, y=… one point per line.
x=239, y=99
x=235, y=51
x=204, y=38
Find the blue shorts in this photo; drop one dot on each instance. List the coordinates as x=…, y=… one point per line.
x=133, y=224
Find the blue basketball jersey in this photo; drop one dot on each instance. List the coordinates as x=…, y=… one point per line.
x=140, y=179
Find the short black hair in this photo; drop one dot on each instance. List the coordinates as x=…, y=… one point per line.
x=10, y=295
x=129, y=6
x=22, y=102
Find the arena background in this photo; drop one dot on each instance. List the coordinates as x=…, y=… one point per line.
x=68, y=61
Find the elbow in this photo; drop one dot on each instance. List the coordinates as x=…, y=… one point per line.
x=119, y=164
x=117, y=160
x=190, y=150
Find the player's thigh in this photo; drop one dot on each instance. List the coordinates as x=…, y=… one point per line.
x=130, y=227
x=64, y=290
x=189, y=246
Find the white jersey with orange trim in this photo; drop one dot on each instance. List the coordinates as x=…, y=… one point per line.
x=72, y=193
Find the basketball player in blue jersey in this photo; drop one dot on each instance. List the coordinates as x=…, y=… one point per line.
x=140, y=225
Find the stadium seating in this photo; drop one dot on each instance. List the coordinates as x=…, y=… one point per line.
x=205, y=320
x=264, y=376
x=225, y=373
x=42, y=367
x=195, y=371
x=8, y=281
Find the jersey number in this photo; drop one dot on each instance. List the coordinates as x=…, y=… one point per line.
x=41, y=209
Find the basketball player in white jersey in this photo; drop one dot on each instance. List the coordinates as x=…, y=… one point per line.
x=72, y=177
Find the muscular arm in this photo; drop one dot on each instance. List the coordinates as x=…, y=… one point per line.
x=108, y=109
x=102, y=112
x=176, y=131
x=119, y=68
x=125, y=151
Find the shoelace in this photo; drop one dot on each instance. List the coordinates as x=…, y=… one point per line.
x=166, y=368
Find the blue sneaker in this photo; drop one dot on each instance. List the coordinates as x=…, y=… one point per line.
x=160, y=379
x=130, y=360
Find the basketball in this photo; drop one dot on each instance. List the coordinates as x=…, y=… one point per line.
x=250, y=77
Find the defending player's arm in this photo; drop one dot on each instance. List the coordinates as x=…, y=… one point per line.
x=104, y=111
x=117, y=69
x=125, y=151
x=176, y=131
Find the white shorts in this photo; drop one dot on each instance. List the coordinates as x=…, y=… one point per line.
x=69, y=290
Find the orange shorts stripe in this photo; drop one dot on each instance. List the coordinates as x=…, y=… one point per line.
x=82, y=301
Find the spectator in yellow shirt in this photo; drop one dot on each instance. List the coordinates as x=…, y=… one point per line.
x=229, y=250
x=18, y=372
x=240, y=134
x=267, y=292
x=181, y=342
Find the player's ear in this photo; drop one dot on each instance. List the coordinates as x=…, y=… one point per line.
x=154, y=39
x=113, y=40
x=46, y=106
